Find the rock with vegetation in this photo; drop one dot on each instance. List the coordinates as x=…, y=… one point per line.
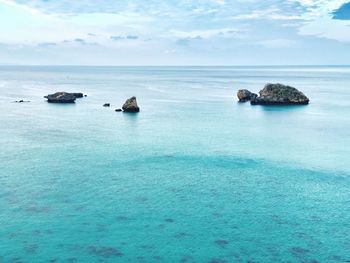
x=245, y=95
x=131, y=105
x=279, y=94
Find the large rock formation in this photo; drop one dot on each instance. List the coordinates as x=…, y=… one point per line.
x=245, y=95
x=63, y=97
x=131, y=105
x=279, y=94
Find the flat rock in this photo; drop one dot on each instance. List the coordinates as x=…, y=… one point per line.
x=131, y=105
x=106, y=105
x=118, y=110
x=279, y=94
x=245, y=95
x=61, y=97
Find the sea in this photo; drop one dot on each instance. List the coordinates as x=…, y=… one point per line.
x=195, y=176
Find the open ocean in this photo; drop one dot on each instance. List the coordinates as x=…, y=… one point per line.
x=194, y=177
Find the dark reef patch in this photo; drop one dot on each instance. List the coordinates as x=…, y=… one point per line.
x=37, y=210
x=181, y=235
x=299, y=250
x=122, y=218
x=31, y=248
x=147, y=246
x=186, y=258
x=217, y=260
x=106, y=252
x=221, y=243
x=16, y=260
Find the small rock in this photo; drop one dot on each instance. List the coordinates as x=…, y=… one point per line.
x=78, y=94
x=118, y=110
x=21, y=101
x=245, y=95
x=106, y=105
x=131, y=105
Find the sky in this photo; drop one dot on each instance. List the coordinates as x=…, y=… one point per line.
x=175, y=32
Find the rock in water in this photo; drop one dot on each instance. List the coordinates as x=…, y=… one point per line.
x=61, y=97
x=106, y=105
x=78, y=94
x=118, y=110
x=279, y=94
x=245, y=95
x=131, y=105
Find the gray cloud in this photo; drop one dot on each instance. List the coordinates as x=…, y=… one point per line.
x=128, y=37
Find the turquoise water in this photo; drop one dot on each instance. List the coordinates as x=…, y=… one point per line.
x=194, y=177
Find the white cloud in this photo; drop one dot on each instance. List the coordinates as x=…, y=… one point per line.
x=320, y=23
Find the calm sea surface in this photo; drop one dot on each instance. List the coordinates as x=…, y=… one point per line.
x=194, y=177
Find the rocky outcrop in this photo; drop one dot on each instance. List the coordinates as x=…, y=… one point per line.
x=78, y=95
x=279, y=94
x=245, y=95
x=131, y=105
x=61, y=97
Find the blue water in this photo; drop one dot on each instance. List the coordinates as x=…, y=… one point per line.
x=194, y=177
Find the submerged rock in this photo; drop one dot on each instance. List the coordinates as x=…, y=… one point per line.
x=279, y=94
x=106, y=105
x=131, y=105
x=61, y=97
x=245, y=95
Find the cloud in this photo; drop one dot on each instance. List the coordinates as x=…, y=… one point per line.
x=278, y=43
x=187, y=40
x=343, y=13
x=268, y=14
x=47, y=44
x=321, y=22
x=205, y=34
x=128, y=37
x=205, y=29
x=132, y=37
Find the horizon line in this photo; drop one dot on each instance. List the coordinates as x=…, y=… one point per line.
x=213, y=65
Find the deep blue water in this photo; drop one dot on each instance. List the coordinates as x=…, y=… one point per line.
x=194, y=177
